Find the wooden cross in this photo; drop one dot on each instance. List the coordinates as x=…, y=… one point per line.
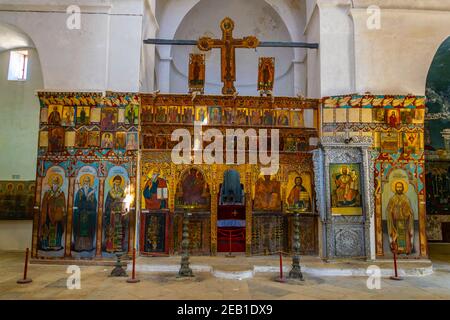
x=227, y=45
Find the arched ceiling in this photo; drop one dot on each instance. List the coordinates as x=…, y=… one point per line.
x=171, y=13
x=12, y=38
x=252, y=17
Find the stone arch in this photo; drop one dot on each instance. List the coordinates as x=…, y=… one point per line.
x=290, y=13
x=13, y=37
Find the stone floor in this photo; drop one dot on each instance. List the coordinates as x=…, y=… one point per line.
x=50, y=282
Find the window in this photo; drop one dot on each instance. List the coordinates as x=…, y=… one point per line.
x=18, y=65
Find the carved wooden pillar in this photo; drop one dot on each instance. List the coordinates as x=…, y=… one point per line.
x=172, y=184
x=422, y=226
x=132, y=217
x=68, y=244
x=36, y=217
x=98, y=246
x=214, y=221
x=378, y=225
x=248, y=212
x=214, y=187
x=248, y=223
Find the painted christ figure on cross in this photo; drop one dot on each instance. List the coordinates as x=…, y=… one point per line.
x=227, y=46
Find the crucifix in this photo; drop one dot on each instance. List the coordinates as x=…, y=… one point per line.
x=227, y=45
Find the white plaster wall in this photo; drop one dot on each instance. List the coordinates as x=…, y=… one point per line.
x=396, y=59
x=336, y=48
x=148, y=53
x=19, y=109
x=313, y=88
x=103, y=55
x=15, y=235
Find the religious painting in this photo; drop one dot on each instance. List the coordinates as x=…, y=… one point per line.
x=255, y=117
x=266, y=73
x=418, y=115
x=268, y=117
x=400, y=214
x=188, y=115
x=201, y=114
x=301, y=143
x=289, y=144
x=116, y=214
x=148, y=141
x=44, y=115
x=147, y=114
x=267, y=194
x=196, y=72
x=174, y=114
x=378, y=115
x=120, y=140
x=345, y=189
x=299, y=192
x=411, y=142
x=95, y=115
x=53, y=214
x=84, y=223
x=282, y=118
x=81, y=138
x=228, y=116
x=109, y=119
x=70, y=139
x=392, y=117
x=120, y=115
x=83, y=115
x=192, y=190
x=231, y=190
x=297, y=119
x=407, y=116
x=107, y=140
x=161, y=114
x=132, y=141
x=68, y=119
x=155, y=232
x=43, y=139
x=389, y=142
x=17, y=200
x=132, y=114
x=241, y=116
x=155, y=191
x=94, y=139
x=215, y=115
x=160, y=141
x=56, y=137
x=54, y=115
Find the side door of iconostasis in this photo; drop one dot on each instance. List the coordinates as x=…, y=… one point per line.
x=155, y=218
x=86, y=176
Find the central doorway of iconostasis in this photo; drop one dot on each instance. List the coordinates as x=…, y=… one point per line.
x=231, y=222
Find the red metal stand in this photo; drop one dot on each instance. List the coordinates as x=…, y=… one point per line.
x=394, y=251
x=133, y=273
x=281, y=279
x=25, y=271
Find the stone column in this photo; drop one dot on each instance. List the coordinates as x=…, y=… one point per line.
x=164, y=74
